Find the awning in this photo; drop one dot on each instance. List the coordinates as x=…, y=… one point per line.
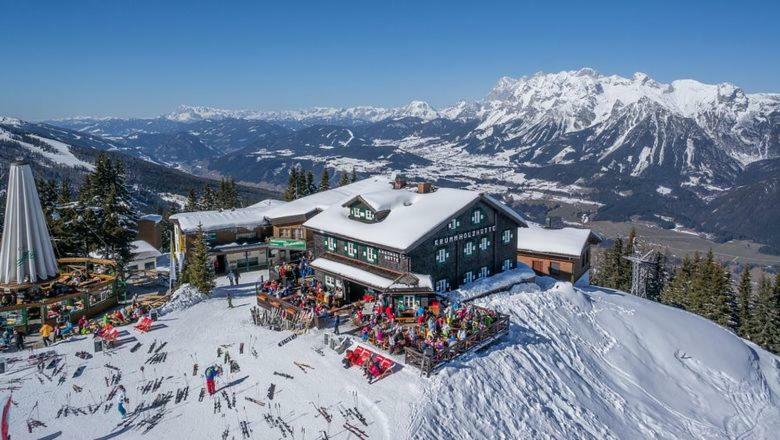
x=367, y=278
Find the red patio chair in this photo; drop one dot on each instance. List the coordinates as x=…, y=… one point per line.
x=144, y=324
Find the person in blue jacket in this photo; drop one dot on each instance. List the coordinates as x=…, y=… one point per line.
x=211, y=373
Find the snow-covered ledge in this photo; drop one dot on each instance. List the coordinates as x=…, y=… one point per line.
x=496, y=283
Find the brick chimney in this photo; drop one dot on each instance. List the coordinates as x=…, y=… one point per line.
x=424, y=188
x=399, y=182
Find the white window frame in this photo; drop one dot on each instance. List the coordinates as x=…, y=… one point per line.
x=468, y=277
x=442, y=255
x=352, y=249
x=331, y=244
x=484, y=272
x=454, y=223
x=369, y=214
x=477, y=216
x=484, y=243
x=442, y=285
x=506, y=236
x=507, y=264
x=371, y=254
x=469, y=248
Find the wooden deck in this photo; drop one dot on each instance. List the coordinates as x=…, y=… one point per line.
x=427, y=364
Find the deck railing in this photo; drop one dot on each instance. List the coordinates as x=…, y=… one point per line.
x=427, y=363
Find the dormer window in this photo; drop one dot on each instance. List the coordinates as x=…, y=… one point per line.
x=477, y=216
x=356, y=212
x=369, y=214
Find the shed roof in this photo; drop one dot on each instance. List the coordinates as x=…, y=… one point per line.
x=249, y=217
x=565, y=241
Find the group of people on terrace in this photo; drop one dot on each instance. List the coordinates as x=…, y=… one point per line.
x=431, y=331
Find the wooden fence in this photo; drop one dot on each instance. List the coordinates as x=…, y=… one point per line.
x=427, y=363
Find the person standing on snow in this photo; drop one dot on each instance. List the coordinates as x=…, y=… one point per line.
x=211, y=373
x=237, y=276
x=230, y=300
x=230, y=277
x=46, y=331
x=336, y=325
x=122, y=396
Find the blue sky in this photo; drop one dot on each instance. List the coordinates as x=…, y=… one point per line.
x=138, y=58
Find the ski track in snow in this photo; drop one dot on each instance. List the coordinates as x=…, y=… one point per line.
x=577, y=363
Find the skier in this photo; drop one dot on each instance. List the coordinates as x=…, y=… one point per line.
x=230, y=277
x=336, y=324
x=122, y=396
x=211, y=373
x=237, y=276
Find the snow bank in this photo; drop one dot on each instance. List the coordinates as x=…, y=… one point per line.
x=502, y=281
x=184, y=297
x=586, y=363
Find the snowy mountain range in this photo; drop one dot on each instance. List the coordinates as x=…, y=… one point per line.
x=612, y=147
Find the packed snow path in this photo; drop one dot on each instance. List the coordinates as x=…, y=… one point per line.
x=576, y=364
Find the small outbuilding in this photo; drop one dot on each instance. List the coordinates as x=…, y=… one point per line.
x=562, y=253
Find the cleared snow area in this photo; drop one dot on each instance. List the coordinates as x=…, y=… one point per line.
x=577, y=363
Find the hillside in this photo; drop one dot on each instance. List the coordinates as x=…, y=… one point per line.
x=58, y=153
x=577, y=362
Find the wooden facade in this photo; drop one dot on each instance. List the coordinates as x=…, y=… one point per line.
x=561, y=267
x=477, y=241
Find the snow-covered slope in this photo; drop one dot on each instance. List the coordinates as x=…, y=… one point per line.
x=578, y=363
x=605, y=365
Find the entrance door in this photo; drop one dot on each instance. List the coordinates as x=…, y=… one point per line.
x=221, y=265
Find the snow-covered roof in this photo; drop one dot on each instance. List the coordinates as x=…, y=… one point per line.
x=365, y=277
x=250, y=217
x=156, y=218
x=323, y=200
x=142, y=250
x=383, y=200
x=565, y=241
x=412, y=216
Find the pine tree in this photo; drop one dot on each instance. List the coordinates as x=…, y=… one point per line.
x=291, y=192
x=301, y=187
x=192, y=201
x=657, y=276
x=199, y=272
x=764, y=326
x=310, y=188
x=233, y=196
x=64, y=228
x=324, y=180
x=105, y=217
x=616, y=277
x=209, y=200
x=353, y=177
x=343, y=178
x=677, y=290
x=745, y=297
x=720, y=305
